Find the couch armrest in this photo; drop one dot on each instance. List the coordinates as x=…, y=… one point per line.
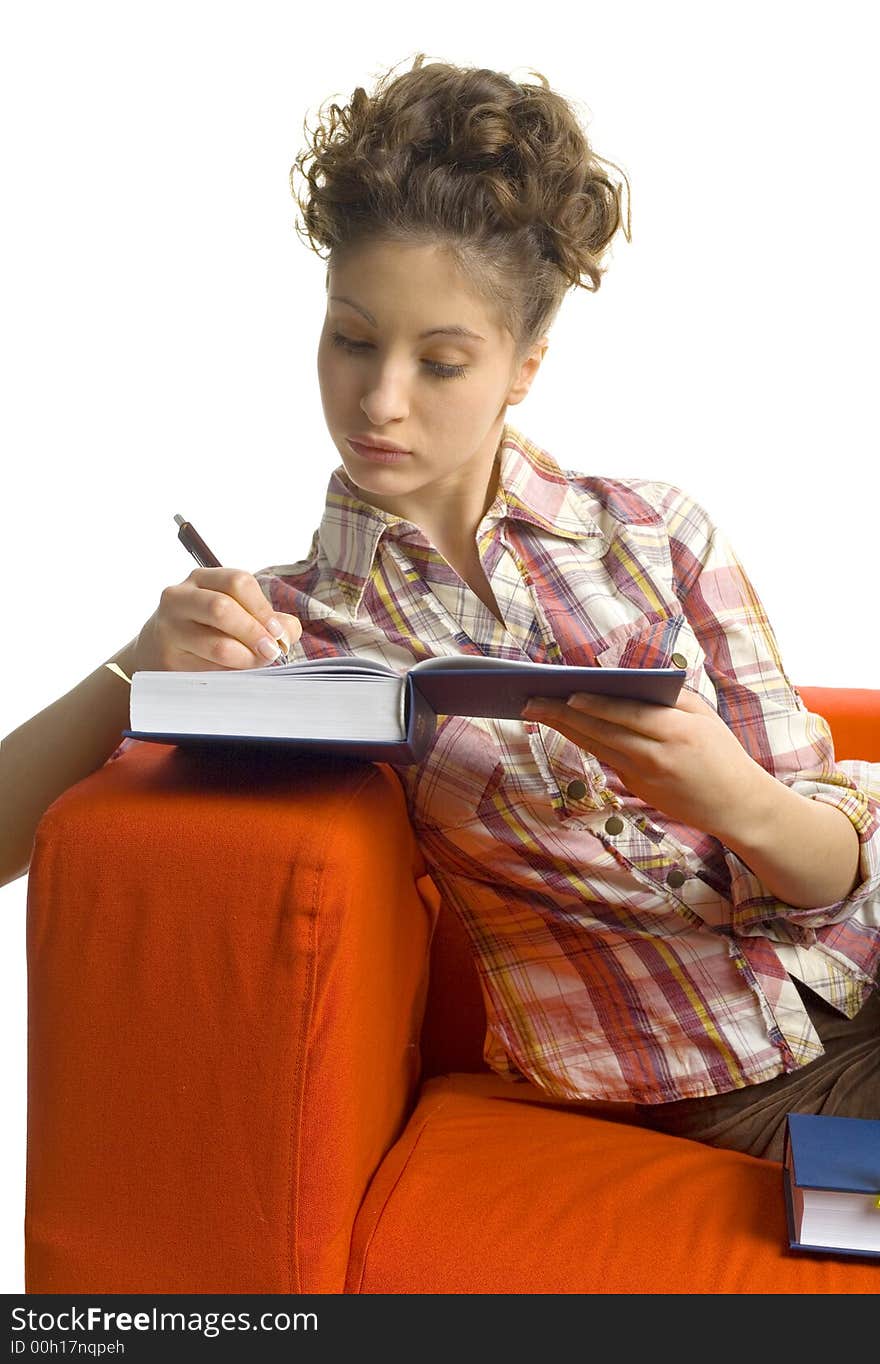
x=227, y=968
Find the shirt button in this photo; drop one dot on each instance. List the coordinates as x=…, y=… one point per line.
x=679, y=660
x=576, y=790
x=675, y=878
x=614, y=825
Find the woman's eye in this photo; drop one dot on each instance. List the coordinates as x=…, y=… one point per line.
x=442, y=371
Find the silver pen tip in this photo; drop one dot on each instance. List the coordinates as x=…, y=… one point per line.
x=181, y=520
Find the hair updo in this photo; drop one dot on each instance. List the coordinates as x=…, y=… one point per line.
x=500, y=175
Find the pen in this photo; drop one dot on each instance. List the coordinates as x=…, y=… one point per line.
x=191, y=540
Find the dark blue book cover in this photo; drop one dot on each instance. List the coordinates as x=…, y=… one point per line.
x=838, y=1160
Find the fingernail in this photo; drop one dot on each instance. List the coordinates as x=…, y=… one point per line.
x=269, y=649
x=280, y=635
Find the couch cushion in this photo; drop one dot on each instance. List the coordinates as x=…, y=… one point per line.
x=454, y=1026
x=491, y=1189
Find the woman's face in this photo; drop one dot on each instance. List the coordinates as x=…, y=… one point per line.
x=443, y=398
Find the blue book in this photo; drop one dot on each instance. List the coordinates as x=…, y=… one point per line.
x=359, y=708
x=831, y=1172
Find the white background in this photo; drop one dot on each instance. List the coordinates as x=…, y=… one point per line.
x=160, y=315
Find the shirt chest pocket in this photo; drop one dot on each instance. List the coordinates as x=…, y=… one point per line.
x=667, y=642
x=457, y=779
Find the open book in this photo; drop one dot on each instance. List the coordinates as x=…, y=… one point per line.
x=364, y=709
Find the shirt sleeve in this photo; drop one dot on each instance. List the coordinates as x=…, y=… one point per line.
x=761, y=706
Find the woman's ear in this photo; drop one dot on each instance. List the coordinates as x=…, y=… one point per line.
x=527, y=371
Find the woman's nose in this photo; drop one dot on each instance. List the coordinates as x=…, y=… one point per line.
x=385, y=398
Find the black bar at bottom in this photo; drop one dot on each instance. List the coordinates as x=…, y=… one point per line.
x=171, y=1327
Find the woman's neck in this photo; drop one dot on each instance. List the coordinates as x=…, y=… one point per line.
x=452, y=525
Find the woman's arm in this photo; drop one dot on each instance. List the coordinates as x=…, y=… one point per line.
x=54, y=749
x=684, y=760
x=804, y=851
x=215, y=618
x=758, y=772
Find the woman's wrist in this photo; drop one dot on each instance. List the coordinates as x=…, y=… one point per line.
x=126, y=657
x=806, y=852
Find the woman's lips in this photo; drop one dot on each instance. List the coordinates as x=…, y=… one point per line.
x=373, y=452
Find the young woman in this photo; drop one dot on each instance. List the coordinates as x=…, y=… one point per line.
x=670, y=908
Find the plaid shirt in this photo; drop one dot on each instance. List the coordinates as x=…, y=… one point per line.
x=622, y=955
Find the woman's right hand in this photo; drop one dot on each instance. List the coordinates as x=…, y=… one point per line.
x=216, y=618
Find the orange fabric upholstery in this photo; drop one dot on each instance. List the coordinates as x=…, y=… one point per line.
x=229, y=1000
x=226, y=974
x=488, y=1192
x=854, y=716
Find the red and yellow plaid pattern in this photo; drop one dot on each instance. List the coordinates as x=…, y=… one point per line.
x=622, y=955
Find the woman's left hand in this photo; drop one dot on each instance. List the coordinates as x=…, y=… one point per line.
x=680, y=759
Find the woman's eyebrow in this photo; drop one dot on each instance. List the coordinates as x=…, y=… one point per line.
x=454, y=329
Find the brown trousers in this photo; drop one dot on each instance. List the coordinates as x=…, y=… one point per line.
x=844, y=1082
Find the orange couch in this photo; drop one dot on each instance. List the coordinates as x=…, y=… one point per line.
x=243, y=1076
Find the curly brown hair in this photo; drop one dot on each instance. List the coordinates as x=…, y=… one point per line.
x=500, y=175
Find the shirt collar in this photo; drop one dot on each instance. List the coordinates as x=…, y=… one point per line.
x=531, y=488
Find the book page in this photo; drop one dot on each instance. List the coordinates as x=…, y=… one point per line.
x=848, y=1220
x=464, y=661
x=346, y=663
x=334, y=704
